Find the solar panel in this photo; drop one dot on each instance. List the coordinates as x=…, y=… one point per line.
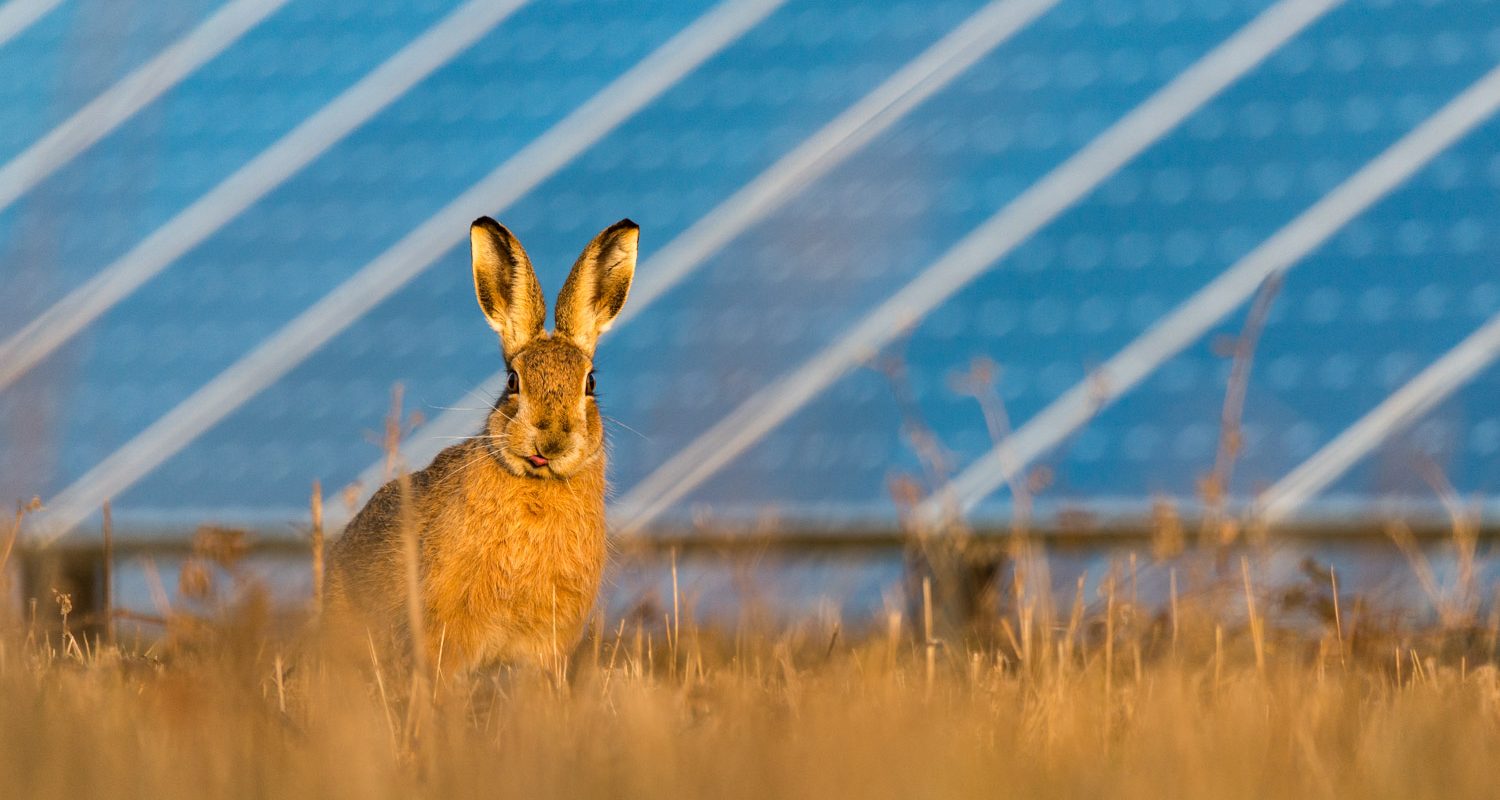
x=1359, y=317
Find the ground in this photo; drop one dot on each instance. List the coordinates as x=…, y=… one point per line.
x=1206, y=696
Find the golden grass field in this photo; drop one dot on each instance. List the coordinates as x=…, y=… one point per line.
x=1220, y=693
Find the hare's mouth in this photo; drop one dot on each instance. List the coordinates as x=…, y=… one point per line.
x=537, y=460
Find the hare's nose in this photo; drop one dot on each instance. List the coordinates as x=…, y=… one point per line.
x=553, y=445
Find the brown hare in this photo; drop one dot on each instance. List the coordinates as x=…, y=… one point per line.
x=510, y=522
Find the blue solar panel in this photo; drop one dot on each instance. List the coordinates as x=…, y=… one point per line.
x=1353, y=322
x=431, y=338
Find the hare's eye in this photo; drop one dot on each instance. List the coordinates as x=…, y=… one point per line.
x=512, y=382
x=588, y=385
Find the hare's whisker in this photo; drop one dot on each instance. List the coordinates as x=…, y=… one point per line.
x=608, y=418
x=475, y=392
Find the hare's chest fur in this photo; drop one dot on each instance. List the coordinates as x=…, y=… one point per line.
x=512, y=568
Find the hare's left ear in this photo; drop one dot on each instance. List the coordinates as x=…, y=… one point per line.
x=595, y=290
x=506, y=285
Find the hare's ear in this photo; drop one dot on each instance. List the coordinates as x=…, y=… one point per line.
x=595, y=291
x=506, y=285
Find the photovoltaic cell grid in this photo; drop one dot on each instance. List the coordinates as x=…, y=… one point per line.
x=1386, y=297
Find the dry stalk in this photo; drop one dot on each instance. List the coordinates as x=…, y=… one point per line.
x=1218, y=657
x=410, y=536
x=157, y=590
x=1257, y=632
x=437, y=666
x=317, y=548
x=109, y=574
x=924, y=441
x=1175, y=608
x=1494, y=626
x=1109, y=636
x=931, y=643
x=1465, y=534
x=1338, y=617
x=1215, y=487
x=280, y=684
x=982, y=382
x=22, y=509
x=411, y=560
x=676, y=613
x=1075, y=617
x=385, y=701
x=1401, y=534
x=893, y=625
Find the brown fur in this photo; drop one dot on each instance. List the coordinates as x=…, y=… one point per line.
x=510, y=553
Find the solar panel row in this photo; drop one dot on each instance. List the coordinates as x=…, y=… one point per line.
x=1359, y=317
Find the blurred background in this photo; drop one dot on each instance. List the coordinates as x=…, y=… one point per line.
x=897, y=257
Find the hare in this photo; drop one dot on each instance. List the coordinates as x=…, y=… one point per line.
x=510, y=522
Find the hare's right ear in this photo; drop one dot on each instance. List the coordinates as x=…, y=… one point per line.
x=595, y=290
x=506, y=285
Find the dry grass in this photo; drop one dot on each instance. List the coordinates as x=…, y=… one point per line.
x=1215, y=686
x=1195, y=699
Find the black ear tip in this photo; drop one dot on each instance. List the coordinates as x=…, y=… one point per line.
x=488, y=223
x=626, y=224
